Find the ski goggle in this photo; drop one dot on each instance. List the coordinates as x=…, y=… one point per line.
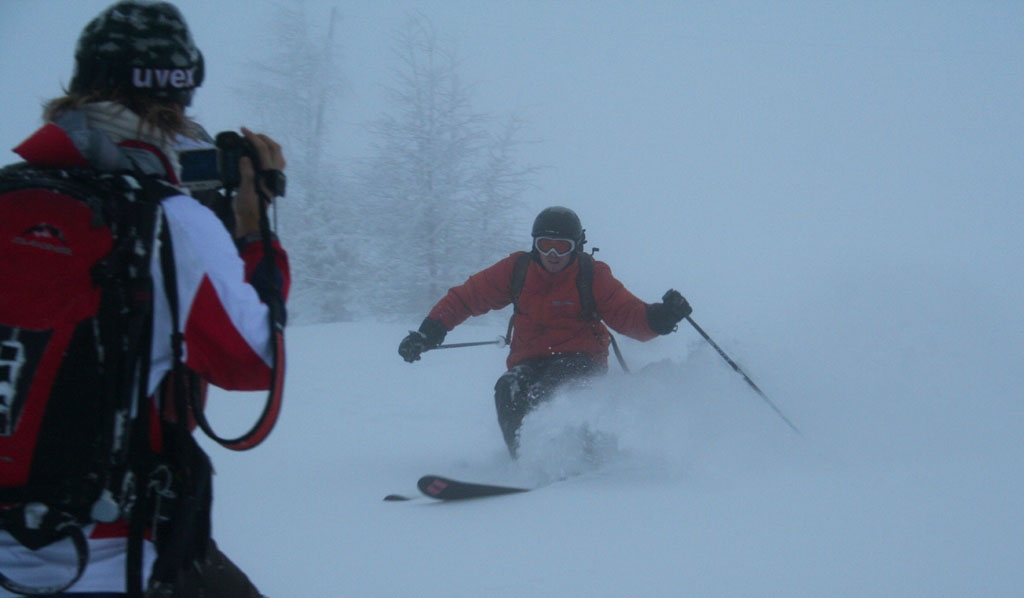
x=548, y=245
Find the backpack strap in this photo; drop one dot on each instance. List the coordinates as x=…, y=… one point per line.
x=518, y=279
x=588, y=305
x=148, y=225
x=585, y=286
x=35, y=526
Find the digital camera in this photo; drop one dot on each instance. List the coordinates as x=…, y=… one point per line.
x=216, y=167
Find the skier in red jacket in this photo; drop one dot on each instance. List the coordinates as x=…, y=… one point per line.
x=559, y=338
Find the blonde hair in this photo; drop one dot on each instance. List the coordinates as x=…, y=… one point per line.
x=155, y=114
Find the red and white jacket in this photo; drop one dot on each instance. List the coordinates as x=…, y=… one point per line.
x=227, y=338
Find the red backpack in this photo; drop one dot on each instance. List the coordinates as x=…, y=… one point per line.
x=77, y=434
x=75, y=322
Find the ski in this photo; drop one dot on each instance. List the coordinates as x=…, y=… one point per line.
x=442, y=488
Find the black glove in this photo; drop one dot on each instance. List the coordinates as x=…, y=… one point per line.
x=663, y=317
x=430, y=335
x=412, y=346
x=676, y=304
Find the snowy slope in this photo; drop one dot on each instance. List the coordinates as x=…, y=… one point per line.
x=706, y=493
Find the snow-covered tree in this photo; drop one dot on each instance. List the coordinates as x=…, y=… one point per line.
x=445, y=186
x=295, y=87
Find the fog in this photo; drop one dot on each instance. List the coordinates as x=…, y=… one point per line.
x=836, y=189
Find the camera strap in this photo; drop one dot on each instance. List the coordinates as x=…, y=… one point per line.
x=271, y=293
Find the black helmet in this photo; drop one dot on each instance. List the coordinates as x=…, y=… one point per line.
x=142, y=46
x=561, y=223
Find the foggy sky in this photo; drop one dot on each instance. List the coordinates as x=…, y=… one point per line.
x=717, y=147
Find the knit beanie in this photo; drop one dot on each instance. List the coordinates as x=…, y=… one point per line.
x=139, y=46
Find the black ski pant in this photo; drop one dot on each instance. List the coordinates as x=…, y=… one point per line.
x=532, y=382
x=215, y=577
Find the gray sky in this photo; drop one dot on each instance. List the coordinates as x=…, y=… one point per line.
x=721, y=147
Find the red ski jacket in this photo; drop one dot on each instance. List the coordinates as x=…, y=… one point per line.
x=548, y=322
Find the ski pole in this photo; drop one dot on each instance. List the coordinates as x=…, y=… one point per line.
x=742, y=373
x=500, y=341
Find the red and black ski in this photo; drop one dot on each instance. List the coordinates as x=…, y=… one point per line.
x=442, y=488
